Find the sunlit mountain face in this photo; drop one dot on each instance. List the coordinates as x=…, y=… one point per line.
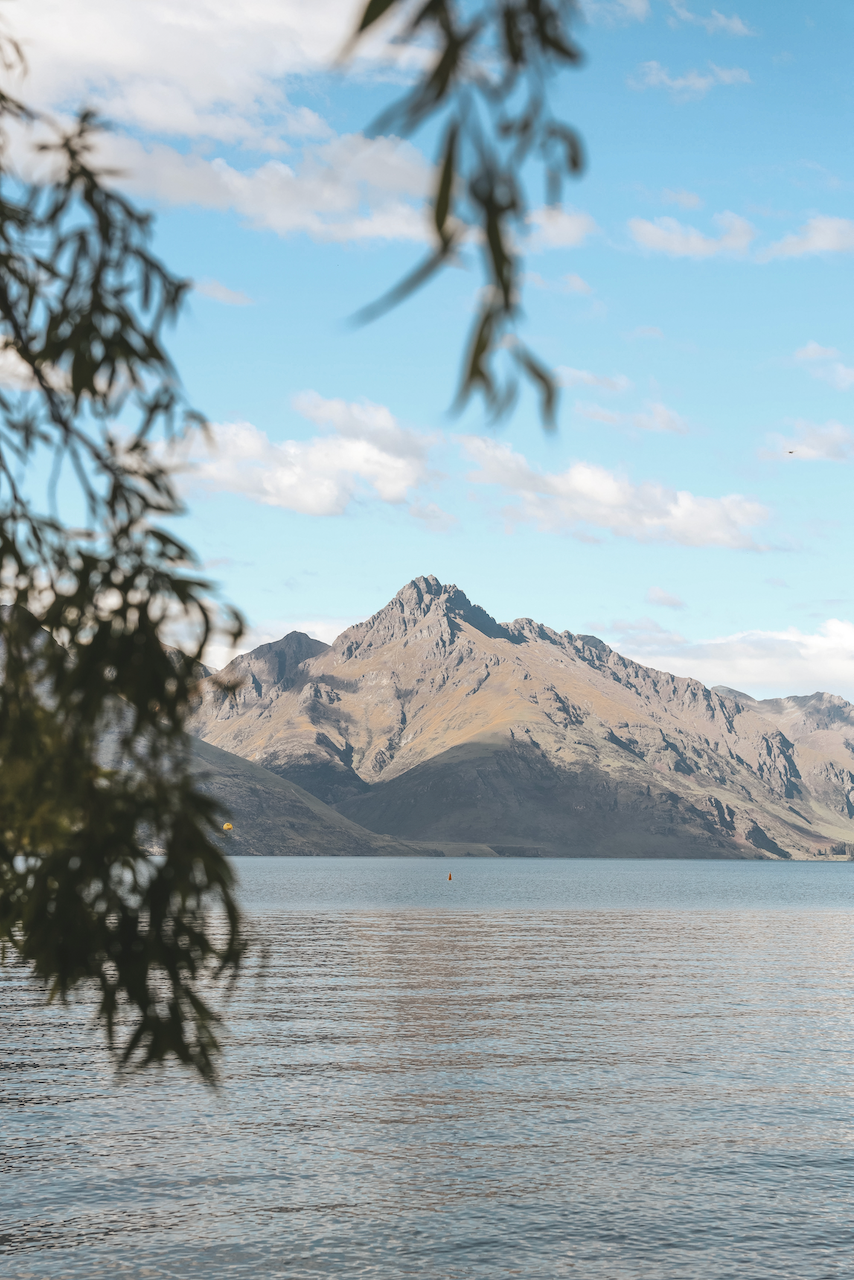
x=431, y=721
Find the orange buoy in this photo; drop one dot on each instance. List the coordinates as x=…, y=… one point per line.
x=449, y=875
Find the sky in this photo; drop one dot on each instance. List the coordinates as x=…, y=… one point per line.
x=694, y=507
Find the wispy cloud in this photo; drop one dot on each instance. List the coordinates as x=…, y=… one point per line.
x=654, y=417
x=656, y=595
x=667, y=235
x=563, y=284
x=823, y=363
x=692, y=84
x=574, y=284
x=714, y=23
x=219, y=293
x=685, y=199
x=588, y=495
x=558, y=228
x=820, y=234
x=839, y=375
x=761, y=663
x=598, y=413
x=812, y=442
x=617, y=382
x=657, y=417
x=812, y=350
x=613, y=11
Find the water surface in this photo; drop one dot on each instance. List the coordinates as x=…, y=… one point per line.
x=616, y=1069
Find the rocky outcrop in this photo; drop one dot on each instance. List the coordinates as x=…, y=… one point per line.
x=433, y=721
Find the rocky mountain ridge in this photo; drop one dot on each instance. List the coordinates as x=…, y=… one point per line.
x=432, y=721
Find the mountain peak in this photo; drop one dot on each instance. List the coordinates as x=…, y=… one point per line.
x=426, y=606
x=427, y=583
x=432, y=720
x=273, y=665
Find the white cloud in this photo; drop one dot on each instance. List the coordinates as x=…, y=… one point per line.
x=349, y=188
x=693, y=84
x=667, y=235
x=585, y=494
x=202, y=68
x=656, y=595
x=219, y=293
x=812, y=351
x=765, y=664
x=837, y=374
x=831, y=442
x=584, y=378
x=822, y=363
x=558, y=228
x=819, y=235
x=657, y=417
x=732, y=26
x=213, y=74
x=646, y=331
x=617, y=10
x=564, y=284
x=597, y=413
x=363, y=453
x=685, y=199
x=575, y=284
x=433, y=516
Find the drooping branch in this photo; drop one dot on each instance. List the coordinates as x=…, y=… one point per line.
x=486, y=86
x=94, y=761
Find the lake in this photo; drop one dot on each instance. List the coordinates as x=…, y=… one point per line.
x=542, y=1068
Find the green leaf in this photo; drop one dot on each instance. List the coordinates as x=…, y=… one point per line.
x=544, y=381
x=374, y=10
x=442, y=201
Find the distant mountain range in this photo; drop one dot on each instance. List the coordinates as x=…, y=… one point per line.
x=432, y=722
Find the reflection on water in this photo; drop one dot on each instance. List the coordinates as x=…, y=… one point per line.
x=616, y=1070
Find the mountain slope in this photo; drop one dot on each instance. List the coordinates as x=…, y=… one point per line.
x=273, y=816
x=432, y=721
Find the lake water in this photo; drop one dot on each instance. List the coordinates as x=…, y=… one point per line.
x=598, y=1069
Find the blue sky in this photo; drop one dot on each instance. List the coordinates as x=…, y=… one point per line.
x=694, y=507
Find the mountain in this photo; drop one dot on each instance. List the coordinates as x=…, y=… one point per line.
x=269, y=814
x=273, y=816
x=431, y=721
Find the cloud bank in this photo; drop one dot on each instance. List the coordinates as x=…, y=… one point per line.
x=348, y=188
x=830, y=442
x=764, y=664
x=589, y=495
x=820, y=234
x=692, y=84
x=362, y=453
x=669, y=236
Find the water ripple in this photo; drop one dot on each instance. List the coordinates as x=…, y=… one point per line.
x=581, y=1084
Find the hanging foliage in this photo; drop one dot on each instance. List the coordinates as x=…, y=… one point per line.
x=94, y=761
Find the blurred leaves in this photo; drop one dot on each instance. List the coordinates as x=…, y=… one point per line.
x=485, y=87
x=94, y=762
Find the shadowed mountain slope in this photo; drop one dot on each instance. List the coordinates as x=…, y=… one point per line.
x=274, y=816
x=432, y=721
